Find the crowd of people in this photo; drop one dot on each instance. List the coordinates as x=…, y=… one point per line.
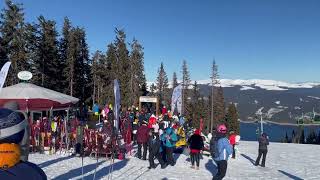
x=159, y=137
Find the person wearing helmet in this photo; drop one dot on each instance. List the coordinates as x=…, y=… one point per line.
x=196, y=146
x=12, y=131
x=221, y=150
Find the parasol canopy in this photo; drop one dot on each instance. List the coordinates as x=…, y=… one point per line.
x=32, y=97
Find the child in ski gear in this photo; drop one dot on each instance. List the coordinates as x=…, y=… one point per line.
x=221, y=149
x=12, y=131
x=232, y=140
x=154, y=150
x=25, y=144
x=142, y=139
x=263, y=149
x=169, y=139
x=196, y=145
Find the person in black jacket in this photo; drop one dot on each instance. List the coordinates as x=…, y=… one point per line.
x=12, y=131
x=196, y=145
x=154, y=144
x=263, y=149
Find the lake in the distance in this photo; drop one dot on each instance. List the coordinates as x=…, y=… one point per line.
x=248, y=131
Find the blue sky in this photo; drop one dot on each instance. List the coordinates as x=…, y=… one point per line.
x=274, y=39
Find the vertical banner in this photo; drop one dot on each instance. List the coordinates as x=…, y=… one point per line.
x=4, y=73
x=117, y=104
x=176, y=100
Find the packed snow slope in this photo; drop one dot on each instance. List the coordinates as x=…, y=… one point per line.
x=284, y=161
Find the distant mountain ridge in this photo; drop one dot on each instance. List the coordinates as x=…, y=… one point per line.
x=279, y=101
x=261, y=83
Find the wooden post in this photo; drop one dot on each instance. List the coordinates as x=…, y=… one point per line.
x=66, y=129
x=157, y=107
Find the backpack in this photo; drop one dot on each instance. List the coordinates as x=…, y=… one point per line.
x=213, y=147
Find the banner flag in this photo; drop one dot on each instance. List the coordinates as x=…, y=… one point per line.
x=117, y=104
x=176, y=100
x=4, y=73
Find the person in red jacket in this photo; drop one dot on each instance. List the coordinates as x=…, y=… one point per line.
x=164, y=111
x=142, y=139
x=232, y=140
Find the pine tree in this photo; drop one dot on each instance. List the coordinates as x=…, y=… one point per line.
x=162, y=84
x=47, y=61
x=112, y=73
x=83, y=71
x=64, y=45
x=194, y=106
x=174, y=80
x=13, y=42
x=31, y=36
x=217, y=98
x=72, y=54
x=153, y=89
x=185, y=84
x=99, y=71
x=78, y=65
x=137, y=77
x=123, y=67
x=232, y=119
x=3, y=54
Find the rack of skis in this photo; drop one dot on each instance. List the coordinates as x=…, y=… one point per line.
x=72, y=137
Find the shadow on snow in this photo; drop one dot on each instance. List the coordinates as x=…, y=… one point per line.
x=249, y=158
x=290, y=175
x=107, y=170
x=78, y=172
x=50, y=162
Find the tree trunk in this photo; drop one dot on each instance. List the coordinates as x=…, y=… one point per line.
x=71, y=87
x=94, y=91
x=211, y=119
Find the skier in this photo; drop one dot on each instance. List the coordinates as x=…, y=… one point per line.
x=154, y=150
x=12, y=131
x=220, y=150
x=169, y=139
x=232, y=140
x=196, y=145
x=142, y=139
x=263, y=149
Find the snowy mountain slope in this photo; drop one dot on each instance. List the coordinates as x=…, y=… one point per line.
x=284, y=161
x=252, y=83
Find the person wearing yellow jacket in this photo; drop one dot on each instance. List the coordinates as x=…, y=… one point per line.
x=182, y=138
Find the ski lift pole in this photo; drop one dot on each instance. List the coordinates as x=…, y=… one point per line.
x=261, y=124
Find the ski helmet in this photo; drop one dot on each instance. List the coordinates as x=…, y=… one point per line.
x=12, y=126
x=222, y=129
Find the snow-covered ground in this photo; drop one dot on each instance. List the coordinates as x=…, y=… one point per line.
x=284, y=161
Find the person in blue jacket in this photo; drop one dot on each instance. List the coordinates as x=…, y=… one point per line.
x=169, y=139
x=12, y=130
x=221, y=149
